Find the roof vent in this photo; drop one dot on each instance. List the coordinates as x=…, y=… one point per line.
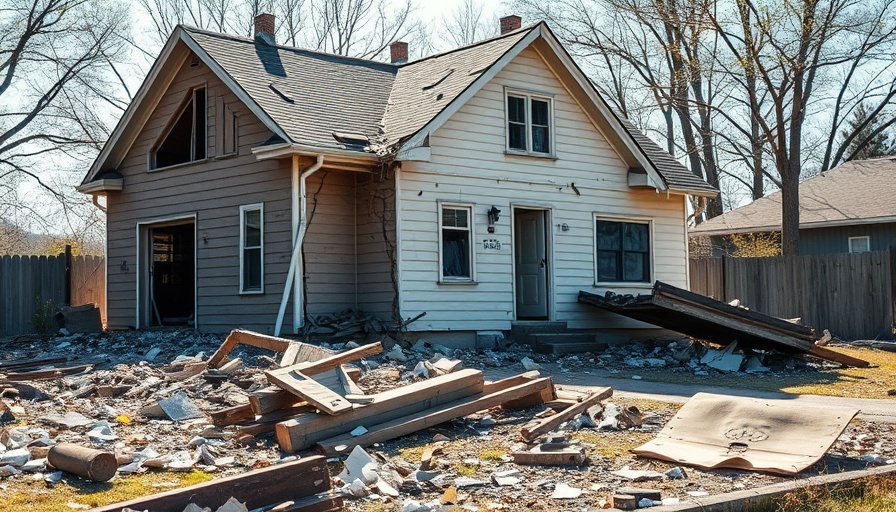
x=510, y=23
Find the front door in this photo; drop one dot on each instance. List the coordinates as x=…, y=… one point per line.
x=530, y=256
x=171, y=279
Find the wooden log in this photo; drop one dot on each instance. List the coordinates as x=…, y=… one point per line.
x=254, y=339
x=311, y=391
x=409, y=424
x=533, y=431
x=305, y=430
x=625, y=502
x=232, y=415
x=260, y=488
x=96, y=465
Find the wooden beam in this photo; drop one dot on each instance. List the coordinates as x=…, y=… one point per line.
x=305, y=430
x=334, y=361
x=536, y=457
x=257, y=489
x=232, y=415
x=254, y=339
x=833, y=355
x=545, y=425
x=311, y=391
x=272, y=399
x=409, y=424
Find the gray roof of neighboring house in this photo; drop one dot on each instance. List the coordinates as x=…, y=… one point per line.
x=857, y=192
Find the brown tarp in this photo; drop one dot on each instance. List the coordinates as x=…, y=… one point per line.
x=773, y=436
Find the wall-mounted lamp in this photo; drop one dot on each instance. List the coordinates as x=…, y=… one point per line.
x=124, y=266
x=493, y=215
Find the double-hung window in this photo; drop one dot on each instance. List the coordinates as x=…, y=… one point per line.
x=529, y=124
x=623, y=251
x=252, y=248
x=185, y=139
x=456, y=243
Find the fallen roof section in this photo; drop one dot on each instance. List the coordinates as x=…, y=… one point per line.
x=708, y=319
x=774, y=436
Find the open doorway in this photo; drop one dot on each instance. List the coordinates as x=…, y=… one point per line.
x=532, y=271
x=169, y=281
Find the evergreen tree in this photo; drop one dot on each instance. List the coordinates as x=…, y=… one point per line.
x=868, y=142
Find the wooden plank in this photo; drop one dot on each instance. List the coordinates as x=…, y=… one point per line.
x=334, y=361
x=308, y=389
x=536, y=457
x=305, y=430
x=298, y=352
x=254, y=339
x=401, y=426
x=545, y=425
x=232, y=415
x=349, y=386
x=226, y=347
x=272, y=399
x=260, y=488
x=21, y=364
x=831, y=355
x=51, y=373
x=314, y=504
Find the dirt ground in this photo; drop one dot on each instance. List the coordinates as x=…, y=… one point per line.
x=473, y=449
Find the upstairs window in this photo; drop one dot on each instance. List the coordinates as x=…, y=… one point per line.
x=185, y=140
x=456, y=243
x=859, y=243
x=252, y=248
x=623, y=251
x=529, y=124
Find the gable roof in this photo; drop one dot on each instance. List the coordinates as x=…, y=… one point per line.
x=857, y=192
x=307, y=98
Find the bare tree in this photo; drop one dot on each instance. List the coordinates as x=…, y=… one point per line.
x=467, y=23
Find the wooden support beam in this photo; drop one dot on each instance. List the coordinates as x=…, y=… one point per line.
x=305, y=430
x=254, y=339
x=272, y=399
x=232, y=415
x=260, y=488
x=409, y=424
x=536, y=457
x=308, y=389
x=543, y=426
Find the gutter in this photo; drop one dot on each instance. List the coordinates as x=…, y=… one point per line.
x=298, y=243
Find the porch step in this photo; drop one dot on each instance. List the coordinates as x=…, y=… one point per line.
x=568, y=343
x=523, y=331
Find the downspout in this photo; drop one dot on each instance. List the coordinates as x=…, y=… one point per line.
x=297, y=245
x=97, y=204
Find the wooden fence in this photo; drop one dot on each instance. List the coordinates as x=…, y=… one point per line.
x=27, y=282
x=851, y=295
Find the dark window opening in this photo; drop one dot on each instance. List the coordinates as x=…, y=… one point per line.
x=456, y=244
x=186, y=139
x=623, y=252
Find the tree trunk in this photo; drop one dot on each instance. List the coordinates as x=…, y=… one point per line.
x=790, y=211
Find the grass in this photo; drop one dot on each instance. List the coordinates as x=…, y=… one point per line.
x=26, y=494
x=871, y=495
x=871, y=382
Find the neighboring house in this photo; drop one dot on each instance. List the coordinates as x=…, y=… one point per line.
x=481, y=186
x=849, y=208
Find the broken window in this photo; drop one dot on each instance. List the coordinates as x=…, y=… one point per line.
x=185, y=140
x=229, y=141
x=623, y=251
x=859, y=243
x=456, y=243
x=529, y=123
x=252, y=248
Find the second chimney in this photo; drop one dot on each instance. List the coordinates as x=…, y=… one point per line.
x=510, y=23
x=399, y=51
x=264, y=28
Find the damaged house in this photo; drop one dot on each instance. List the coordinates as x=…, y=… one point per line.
x=256, y=185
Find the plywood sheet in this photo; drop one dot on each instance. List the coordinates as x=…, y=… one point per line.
x=775, y=436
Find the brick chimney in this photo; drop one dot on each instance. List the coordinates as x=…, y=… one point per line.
x=399, y=51
x=510, y=23
x=264, y=28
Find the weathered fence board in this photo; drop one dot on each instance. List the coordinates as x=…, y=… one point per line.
x=852, y=295
x=27, y=281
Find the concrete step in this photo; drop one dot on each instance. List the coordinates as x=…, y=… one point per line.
x=522, y=331
x=568, y=343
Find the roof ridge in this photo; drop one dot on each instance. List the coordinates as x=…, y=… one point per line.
x=249, y=40
x=474, y=44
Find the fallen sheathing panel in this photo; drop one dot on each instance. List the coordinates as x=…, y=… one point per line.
x=711, y=320
x=773, y=436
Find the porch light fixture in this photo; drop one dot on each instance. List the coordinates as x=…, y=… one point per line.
x=493, y=215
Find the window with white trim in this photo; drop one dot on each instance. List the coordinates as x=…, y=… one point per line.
x=859, y=243
x=530, y=125
x=623, y=251
x=456, y=243
x=252, y=248
x=185, y=139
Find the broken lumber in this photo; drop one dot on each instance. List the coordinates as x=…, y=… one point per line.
x=259, y=488
x=310, y=390
x=254, y=339
x=409, y=424
x=272, y=399
x=568, y=456
x=543, y=426
x=232, y=415
x=303, y=431
x=49, y=373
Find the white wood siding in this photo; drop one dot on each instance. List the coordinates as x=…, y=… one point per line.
x=469, y=165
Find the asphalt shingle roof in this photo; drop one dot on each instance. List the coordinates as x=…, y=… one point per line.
x=856, y=192
x=311, y=95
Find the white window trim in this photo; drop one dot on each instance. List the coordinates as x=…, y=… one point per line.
x=243, y=209
x=865, y=237
x=652, y=248
x=471, y=208
x=552, y=129
x=151, y=157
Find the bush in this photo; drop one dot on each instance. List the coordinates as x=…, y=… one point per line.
x=44, y=318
